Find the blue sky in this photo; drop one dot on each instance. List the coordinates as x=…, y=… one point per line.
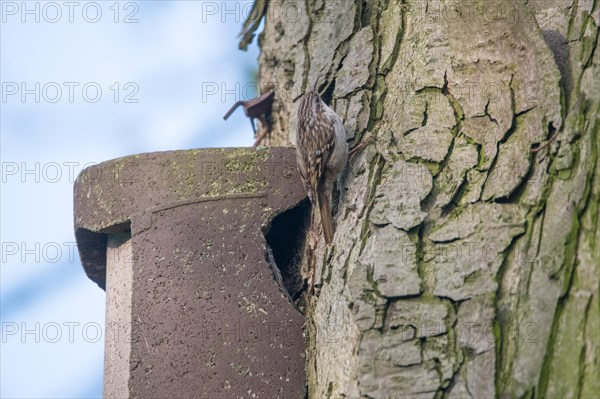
x=81, y=86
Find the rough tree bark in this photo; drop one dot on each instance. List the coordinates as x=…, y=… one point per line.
x=465, y=265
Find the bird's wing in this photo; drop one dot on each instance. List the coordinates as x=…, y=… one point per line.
x=302, y=162
x=322, y=148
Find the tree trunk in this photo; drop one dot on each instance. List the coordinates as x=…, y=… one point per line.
x=465, y=263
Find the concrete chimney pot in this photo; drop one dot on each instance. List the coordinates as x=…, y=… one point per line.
x=177, y=240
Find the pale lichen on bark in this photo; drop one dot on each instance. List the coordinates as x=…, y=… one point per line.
x=464, y=264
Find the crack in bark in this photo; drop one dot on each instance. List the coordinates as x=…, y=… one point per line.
x=504, y=325
x=305, y=42
x=384, y=69
x=376, y=171
x=347, y=263
x=582, y=362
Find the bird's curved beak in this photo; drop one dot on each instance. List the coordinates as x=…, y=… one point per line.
x=316, y=84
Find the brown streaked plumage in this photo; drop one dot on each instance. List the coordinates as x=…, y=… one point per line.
x=321, y=153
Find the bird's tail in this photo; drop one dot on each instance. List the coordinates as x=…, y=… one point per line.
x=326, y=218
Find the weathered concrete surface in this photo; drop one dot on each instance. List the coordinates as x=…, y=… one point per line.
x=208, y=319
x=117, y=348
